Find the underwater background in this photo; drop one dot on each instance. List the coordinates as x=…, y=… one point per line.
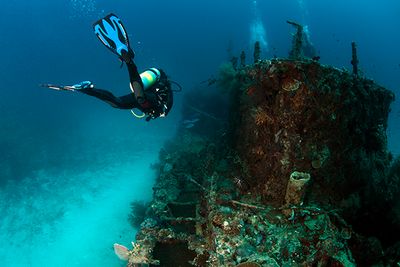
x=70, y=165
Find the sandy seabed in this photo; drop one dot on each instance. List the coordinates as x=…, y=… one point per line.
x=70, y=218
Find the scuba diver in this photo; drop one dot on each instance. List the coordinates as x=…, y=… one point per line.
x=151, y=90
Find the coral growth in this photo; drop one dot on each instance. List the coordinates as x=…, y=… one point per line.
x=228, y=80
x=302, y=46
x=297, y=43
x=290, y=84
x=260, y=116
x=311, y=118
x=257, y=51
x=290, y=181
x=201, y=214
x=296, y=188
x=121, y=251
x=354, y=58
x=242, y=59
x=138, y=213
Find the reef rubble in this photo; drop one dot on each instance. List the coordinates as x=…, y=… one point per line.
x=297, y=173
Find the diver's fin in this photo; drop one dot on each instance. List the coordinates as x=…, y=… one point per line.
x=75, y=87
x=58, y=87
x=111, y=32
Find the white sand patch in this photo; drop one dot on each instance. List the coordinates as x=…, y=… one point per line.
x=72, y=219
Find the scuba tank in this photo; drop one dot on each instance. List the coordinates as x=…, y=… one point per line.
x=150, y=77
x=156, y=84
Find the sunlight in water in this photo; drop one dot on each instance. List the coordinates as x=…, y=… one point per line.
x=257, y=29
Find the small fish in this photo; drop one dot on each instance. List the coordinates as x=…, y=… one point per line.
x=192, y=121
x=188, y=126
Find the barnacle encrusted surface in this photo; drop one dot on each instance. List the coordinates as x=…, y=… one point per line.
x=294, y=176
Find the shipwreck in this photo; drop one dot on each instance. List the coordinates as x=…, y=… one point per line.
x=295, y=172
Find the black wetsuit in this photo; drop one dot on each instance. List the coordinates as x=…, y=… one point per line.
x=123, y=102
x=149, y=102
x=128, y=101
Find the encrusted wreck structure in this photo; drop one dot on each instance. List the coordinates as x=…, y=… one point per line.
x=296, y=174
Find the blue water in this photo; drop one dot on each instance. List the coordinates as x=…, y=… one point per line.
x=70, y=165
